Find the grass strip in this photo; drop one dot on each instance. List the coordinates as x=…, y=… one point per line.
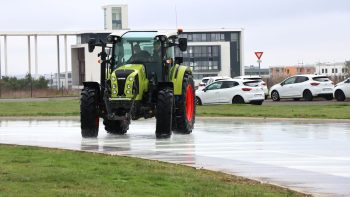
x=30, y=171
x=71, y=108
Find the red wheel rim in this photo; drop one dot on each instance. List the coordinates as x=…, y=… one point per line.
x=189, y=102
x=97, y=121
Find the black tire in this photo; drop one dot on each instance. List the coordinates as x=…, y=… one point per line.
x=296, y=99
x=339, y=95
x=266, y=97
x=164, y=113
x=237, y=100
x=198, y=101
x=329, y=97
x=185, y=112
x=307, y=95
x=89, y=118
x=119, y=127
x=275, y=96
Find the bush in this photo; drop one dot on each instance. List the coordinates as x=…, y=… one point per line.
x=12, y=83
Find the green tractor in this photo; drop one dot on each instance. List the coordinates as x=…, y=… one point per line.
x=140, y=78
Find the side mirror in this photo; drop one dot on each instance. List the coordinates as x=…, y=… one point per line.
x=179, y=60
x=204, y=89
x=92, y=43
x=183, y=44
x=112, y=39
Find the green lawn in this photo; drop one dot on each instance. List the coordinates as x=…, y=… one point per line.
x=45, y=108
x=29, y=171
x=331, y=111
x=71, y=108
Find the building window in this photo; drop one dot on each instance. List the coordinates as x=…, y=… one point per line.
x=332, y=70
x=234, y=37
x=322, y=70
x=105, y=17
x=326, y=70
x=116, y=18
x=201, y=58
x=336, y=70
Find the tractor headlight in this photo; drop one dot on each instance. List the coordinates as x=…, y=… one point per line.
x=114, y=92
x=131, y=78
x=113, y=78
x=113, y=86
x=128, y=91
x=128, y=86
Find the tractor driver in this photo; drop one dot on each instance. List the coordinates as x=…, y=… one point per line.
x=156, y=51
x=138, y=55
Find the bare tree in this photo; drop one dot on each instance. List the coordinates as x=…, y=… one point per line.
x=347, y=68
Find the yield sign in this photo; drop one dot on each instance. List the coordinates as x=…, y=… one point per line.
x=259, y=54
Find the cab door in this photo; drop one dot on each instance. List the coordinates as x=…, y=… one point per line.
x=299, y=86
x=287, y=88
x=227, y=91
x=210, y=93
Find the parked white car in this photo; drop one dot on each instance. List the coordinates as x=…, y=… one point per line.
x=303, y=86
x=257, y=78
x=342, y=90
x=231, y=91
x=208, y=80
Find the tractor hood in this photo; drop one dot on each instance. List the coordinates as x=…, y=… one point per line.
x=125, y=80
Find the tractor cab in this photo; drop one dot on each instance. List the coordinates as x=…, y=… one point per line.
x=153, y=49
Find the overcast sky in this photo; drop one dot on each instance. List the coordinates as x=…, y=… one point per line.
x=287, y=31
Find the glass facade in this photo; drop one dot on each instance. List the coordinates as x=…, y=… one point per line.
x=201, y=58
x=205, y=60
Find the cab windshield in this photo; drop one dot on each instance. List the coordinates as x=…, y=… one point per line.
x=138, y=48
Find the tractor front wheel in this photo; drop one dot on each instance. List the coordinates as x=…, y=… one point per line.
x=164, y=113
x=119, y=127
x=185, y=113
x=89, y=112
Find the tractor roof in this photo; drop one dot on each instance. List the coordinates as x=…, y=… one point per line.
x=167, y=33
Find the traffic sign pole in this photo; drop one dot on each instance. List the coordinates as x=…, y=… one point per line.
x=258, y=55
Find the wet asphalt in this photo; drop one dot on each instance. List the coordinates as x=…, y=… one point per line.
x=304, y=155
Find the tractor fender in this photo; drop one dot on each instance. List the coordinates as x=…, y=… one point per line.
x=178, y=77
x=92, y=84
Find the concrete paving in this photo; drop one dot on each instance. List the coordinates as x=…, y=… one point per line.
x=308, y=156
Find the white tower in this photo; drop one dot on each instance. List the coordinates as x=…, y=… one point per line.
x=115, y=17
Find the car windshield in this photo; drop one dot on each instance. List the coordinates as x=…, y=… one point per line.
x=137, y=48
x=321, y=79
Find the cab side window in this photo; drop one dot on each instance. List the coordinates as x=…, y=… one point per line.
x=215, y=86
x=289, y=81
x=301, y=79
x=227, y=84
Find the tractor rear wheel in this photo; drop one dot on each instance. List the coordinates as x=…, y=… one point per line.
x=119, y=127
x=164, y=113
x=185, y=113
x=89, y=112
